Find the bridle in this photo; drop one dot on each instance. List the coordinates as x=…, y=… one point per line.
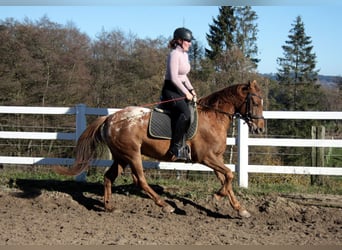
x=248, y=116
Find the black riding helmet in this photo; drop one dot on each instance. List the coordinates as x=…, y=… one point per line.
x=183, y=33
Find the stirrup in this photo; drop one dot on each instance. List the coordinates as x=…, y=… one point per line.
x=183, y=154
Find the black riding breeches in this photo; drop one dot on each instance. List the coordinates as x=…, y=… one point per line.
x=180, y=112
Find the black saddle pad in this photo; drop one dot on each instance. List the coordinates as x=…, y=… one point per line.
x=160, y=125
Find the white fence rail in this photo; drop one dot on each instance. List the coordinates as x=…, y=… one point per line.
x=242, y=141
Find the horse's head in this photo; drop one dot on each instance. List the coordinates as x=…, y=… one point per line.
x=251, y=109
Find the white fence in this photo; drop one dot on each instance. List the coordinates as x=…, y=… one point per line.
x=242, y=141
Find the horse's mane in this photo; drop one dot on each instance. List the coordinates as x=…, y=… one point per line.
x=216, y=99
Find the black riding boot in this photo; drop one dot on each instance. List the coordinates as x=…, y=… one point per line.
x=178, y=147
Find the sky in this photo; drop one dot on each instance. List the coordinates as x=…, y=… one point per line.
x=322, y=22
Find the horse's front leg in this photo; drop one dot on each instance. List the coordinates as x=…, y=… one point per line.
x=233, y=201
x=138, y=172
x=225, y=175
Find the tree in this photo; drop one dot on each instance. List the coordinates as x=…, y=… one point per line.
x=127, y=70
x=107, y=66
x=298, y=89
x=246, y=33
x=39, y=59
x=41, y=63
x=232, y=42
x=221, y=32
x=297, y=74
x=147, y=65
x=195, y=56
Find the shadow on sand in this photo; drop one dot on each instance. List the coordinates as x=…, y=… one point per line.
x=33, y=188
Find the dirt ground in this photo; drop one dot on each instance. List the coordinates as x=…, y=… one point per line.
x=67, y=213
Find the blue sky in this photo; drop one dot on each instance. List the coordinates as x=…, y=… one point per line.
x=322, y=23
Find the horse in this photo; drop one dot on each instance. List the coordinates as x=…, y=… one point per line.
x=125, y=133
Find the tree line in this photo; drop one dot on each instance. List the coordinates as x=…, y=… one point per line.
x=40, y=60
x=43, y=63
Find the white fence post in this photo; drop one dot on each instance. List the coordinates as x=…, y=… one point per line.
x=242, y=145
x=81, y=124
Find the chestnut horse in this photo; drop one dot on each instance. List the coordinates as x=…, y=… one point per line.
x=126, y=134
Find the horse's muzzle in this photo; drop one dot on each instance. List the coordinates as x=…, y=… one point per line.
x=255, y=129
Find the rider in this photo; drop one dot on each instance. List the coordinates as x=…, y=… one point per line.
x=178, y=88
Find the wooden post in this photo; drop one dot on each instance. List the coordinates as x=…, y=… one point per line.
x=317, y=154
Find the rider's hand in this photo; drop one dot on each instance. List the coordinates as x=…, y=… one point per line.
x=189, y=96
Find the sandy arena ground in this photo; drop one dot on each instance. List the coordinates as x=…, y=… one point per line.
x=58, y=213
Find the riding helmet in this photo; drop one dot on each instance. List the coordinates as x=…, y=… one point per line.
x=183, y=33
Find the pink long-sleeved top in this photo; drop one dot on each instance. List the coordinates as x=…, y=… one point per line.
x=177, y=68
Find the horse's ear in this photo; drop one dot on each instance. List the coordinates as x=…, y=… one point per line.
x=252, y=84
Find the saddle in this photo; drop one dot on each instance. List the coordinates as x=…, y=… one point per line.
x=160, y=124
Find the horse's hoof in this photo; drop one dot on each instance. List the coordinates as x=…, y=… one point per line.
x=168, y=209
x=109, y=208
x=244, y=213
x=113, y=210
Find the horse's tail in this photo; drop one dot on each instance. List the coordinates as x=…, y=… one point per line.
x=85, y=148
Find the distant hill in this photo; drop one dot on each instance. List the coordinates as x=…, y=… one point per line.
x=323, y=79
x=329, y=80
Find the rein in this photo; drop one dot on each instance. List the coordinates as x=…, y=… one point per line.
x=161, y=102
x=231, y=116
x=247, y=117
x=195, y=102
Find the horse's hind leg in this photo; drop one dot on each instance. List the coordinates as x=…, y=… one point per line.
x=114, y=171
x=218, y=196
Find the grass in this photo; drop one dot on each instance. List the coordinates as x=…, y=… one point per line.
x=190, y=184
x=333, y=157
x=286, y=184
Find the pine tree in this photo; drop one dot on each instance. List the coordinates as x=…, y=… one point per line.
x=246, y=35
x=232, y=42
x=297, y=72
x=221, y=32
x=298, y=90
